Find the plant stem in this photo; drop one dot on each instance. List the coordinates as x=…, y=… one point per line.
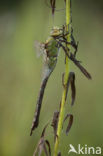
x=67, y=68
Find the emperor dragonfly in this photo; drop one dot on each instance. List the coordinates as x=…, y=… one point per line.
x=50, y=51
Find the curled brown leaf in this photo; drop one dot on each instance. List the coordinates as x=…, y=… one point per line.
x=42, y=145
x=70, y=116
x=55, y=123
x=49, y=148
x=73, y=88
x=71, y=81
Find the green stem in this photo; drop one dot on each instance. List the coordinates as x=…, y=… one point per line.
x=67, y=68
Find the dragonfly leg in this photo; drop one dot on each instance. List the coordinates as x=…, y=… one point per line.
x=62, y=39
x=75, y=61
x=73, y=42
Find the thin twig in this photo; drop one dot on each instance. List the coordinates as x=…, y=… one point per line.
x=67, y=69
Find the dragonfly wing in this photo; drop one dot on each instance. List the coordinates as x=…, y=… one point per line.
x=40, y=47
x=45, y=71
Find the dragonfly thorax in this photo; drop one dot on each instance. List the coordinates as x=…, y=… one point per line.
x=51, y=47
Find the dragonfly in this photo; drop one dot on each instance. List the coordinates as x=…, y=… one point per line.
x=50, y=50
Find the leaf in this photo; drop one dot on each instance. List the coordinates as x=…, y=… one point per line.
x=70, y=116
x=43, y=132
x=49, y=148
x=71, y=81
x=63, y=80
x=42, y=145
x=55, y=123
x=73, y=89
x=45, y=150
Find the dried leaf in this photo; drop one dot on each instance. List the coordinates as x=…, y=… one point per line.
x=39, y=147
x=55, y=123
x=67, y=86
x=45, y=149
x=73, y=89
x=42, y=145
x=70, y=116
x=63, y=79
x=71, y=81
x=36, y=150
x=43, y=132
x=49, y=148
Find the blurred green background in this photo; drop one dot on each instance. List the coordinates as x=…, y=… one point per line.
x=21, y=23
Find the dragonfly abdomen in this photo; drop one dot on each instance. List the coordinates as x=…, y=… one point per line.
x=38, y=105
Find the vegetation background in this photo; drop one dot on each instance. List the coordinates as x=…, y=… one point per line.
x=21, y=23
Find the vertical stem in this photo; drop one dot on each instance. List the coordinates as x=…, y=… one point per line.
x=67, y=68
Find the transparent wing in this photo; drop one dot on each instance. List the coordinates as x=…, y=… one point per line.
x=40, y=47
x=45, y=71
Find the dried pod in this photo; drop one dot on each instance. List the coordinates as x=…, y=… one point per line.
x=55, y=123
x=73, y=89
x=42, y=145
x=71, y=81
x=70, y=116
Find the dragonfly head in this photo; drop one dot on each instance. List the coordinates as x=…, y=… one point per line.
x=56, y=31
